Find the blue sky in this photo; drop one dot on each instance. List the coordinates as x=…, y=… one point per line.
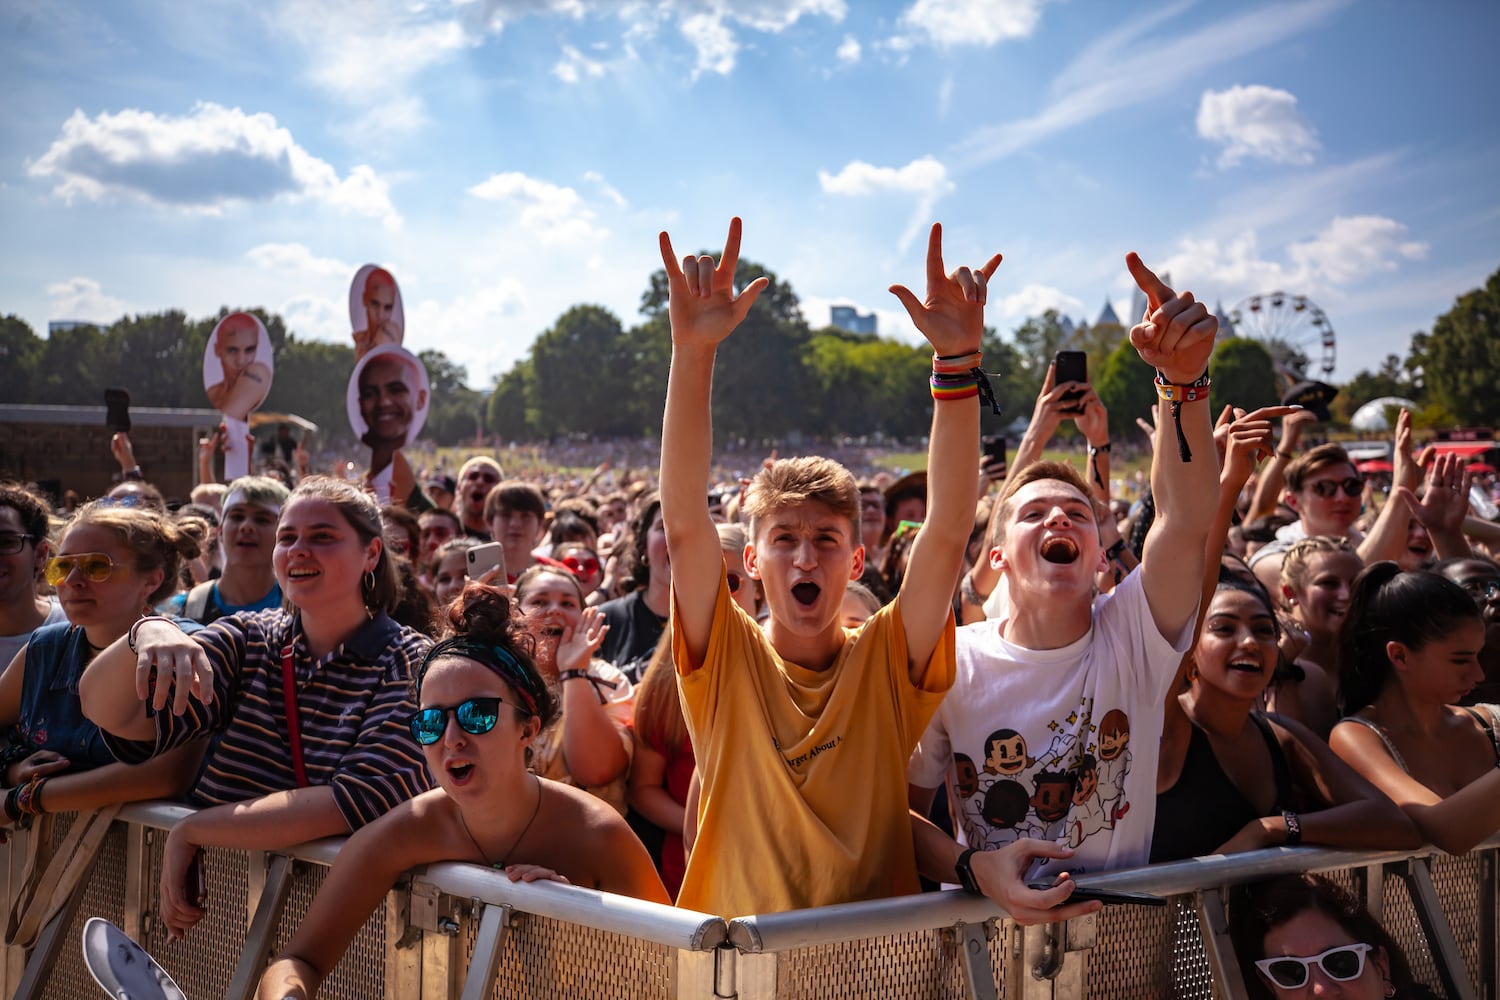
x=506, y=159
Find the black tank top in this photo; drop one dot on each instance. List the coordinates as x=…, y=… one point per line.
x=1204, y=808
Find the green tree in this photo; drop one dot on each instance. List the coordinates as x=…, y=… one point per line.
x=311, y=380
x=1243, y=374
x=1124, y=385
x=580, y=372
x=20, y=350
x=506, y=414
x=455, y=411
x=1462, y=364
x=1037, y=341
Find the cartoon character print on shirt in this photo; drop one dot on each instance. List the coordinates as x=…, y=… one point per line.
x=1076, y=785
x=1087, y=816
x=1114, y=763
x=1002, y=812
x=1050, y=801
x=1005, y=760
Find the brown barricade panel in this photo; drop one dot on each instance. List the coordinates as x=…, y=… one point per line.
x=1137, y=952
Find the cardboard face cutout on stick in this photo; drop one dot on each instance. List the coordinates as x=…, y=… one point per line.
x=387, y=398
x=237, y=369
x=237, y=366
x=375, y=312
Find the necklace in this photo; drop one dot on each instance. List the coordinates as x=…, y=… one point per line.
x=535, y=810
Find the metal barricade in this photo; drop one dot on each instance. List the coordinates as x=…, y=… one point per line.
x=461, y=931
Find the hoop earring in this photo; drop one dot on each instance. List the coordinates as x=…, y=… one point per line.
x=368, y=587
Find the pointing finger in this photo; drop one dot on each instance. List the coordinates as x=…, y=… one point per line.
x=1156, y=290
x=668, y=255
x=935, y=273
x=731, y=258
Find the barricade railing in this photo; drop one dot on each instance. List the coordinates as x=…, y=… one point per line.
x=456, y=930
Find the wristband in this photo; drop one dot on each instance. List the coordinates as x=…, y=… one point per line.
x=1293, y=828
x=130, y=636
x=1177, y=395
x=965, y=872
x=1288, y=455
x=572, y=675
x=1096, y=449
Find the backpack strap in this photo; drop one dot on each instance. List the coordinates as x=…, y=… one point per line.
x=196, y=604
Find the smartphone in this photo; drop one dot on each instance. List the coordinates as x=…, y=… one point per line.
x=1072, y=366
x=195, y=884
x=117, y=410
x=483, y=558
x=995, y=447
x=1109, y=897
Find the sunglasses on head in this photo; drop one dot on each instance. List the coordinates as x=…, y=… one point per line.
x=581, y=567
x=476, y=716
x=96, y=567
x=1341, y=964
x=1328, y=488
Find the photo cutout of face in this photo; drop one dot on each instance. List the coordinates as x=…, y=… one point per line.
x=387, y=398
x=237, y=365
x=375, y=313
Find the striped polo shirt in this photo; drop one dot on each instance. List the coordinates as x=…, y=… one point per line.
x=353, y=704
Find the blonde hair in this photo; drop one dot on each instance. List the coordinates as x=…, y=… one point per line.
x=794, y=481
x=158, y=540
x=1294, y=564
x=1036, y=472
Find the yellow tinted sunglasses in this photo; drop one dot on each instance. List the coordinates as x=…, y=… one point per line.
x=96, y=567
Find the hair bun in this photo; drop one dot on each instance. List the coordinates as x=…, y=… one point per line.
x=481, y=611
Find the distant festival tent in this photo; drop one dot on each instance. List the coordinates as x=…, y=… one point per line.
x=1372, y=416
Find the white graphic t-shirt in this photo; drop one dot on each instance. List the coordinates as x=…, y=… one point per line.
x=1057, y=744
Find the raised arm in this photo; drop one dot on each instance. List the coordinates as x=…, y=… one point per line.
x=1273, y=476
x=1177, y=338
x=1442, y=509
x=952, y=320
x=703, y=309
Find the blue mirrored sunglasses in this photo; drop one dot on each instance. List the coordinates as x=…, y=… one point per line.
x=476, y=716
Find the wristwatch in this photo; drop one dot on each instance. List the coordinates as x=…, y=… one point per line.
x=965, y=872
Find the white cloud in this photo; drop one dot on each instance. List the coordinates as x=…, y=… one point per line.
x=552, y=213
x=468, y=325
x=986, y=23
x=606, y=188
x=848, y=51
x=710, y=27
x=714, y=41
x=313, y=317
x=1033, y=300
x=83, y=299
x=924, y=176
x=205, y=161
x=1118, y=71
x=1347, y=251
x=1351, y=249
x=1255, y=122
x=297, y=259
x=574, y=66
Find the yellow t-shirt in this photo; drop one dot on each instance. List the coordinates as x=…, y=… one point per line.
x=803, y=772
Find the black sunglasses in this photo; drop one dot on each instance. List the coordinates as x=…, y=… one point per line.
x=1328, y=488
x=476, y=716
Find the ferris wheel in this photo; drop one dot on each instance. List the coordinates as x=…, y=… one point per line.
x=1297, y=332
